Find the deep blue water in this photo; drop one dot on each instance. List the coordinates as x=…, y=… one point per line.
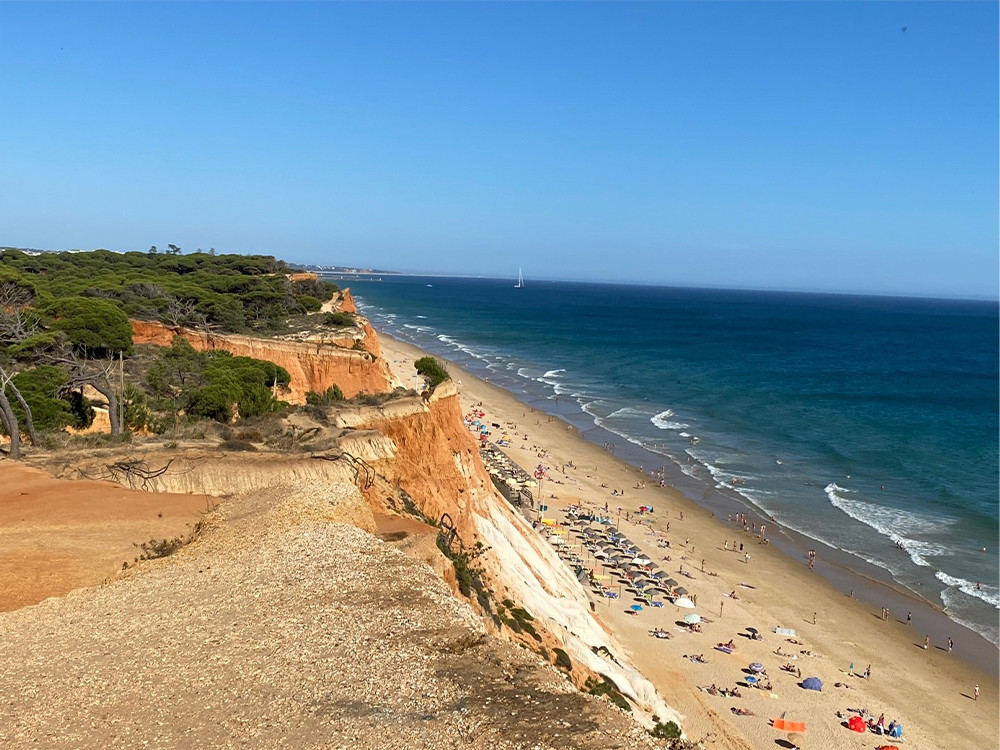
x=857, y=421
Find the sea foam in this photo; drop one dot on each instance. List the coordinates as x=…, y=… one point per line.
x=894, y=523
x=663, y=422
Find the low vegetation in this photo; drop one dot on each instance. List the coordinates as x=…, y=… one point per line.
x=606, y=687
x=432, y=371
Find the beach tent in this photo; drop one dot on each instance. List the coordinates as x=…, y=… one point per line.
x=857, y=724
x=814, y=683
x=684, y=602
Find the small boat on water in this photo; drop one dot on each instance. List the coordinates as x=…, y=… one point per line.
x=520, y=280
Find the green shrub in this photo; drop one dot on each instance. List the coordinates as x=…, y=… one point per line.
x=307, y=303
x=668, y=731
x=562, y=659
x=432, y=370
x=338, y=319
x=331, y=395
x=608, y=689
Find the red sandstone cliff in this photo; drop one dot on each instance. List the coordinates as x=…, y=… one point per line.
x=437, y=460
x=347, y=302
x=312, y=365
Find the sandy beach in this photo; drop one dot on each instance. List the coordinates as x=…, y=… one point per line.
x=930, y=691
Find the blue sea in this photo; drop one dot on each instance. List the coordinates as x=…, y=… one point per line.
x=858, y=422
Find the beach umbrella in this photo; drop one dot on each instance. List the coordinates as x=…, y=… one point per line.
x=636, y=608
x=814, y=683
x=581, y=576
x=692, y=619
x=671, y=582
x=684, y=602
x=752, y=630
x=756, y=667
x=681, y=590
x=857, y=724
x=652, y=565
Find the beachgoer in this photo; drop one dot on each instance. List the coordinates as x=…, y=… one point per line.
x=976, y=693
x=927, y=642
x=746, y=558
x=725, y=545
x=909, y=618
x=814, y=618
x=951, y=643
x=868, y=671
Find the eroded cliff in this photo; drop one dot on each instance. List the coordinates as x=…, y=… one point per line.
x=314, y=364
x=437, y=463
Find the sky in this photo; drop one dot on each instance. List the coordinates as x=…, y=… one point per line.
x=787, y=145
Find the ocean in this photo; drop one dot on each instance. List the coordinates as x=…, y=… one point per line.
x=867, y=424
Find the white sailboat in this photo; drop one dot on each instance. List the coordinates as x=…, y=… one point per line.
x=520, y=280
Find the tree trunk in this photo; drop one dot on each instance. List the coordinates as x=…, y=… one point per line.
x=10, y=424
x=108, y=392
x=29, y=422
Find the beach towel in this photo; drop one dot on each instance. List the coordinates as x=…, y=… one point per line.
x=788, y=726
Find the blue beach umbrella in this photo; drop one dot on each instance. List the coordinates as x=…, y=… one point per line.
x=812, y=683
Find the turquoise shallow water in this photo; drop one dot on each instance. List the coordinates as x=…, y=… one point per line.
x=861, y=422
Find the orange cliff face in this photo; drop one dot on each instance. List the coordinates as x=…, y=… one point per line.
x=437, y=459
x=312, y=365
x=347, y=301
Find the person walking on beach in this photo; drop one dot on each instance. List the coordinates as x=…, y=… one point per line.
x=951, y=643
x=909, y=618
x=975, y=692
x=868, y=671
x=814, y=618
x=746, y=558
x=927, y=642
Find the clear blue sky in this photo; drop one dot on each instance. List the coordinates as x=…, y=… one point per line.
x=803, y=145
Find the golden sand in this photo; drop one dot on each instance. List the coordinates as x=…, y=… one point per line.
x=930, y=691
